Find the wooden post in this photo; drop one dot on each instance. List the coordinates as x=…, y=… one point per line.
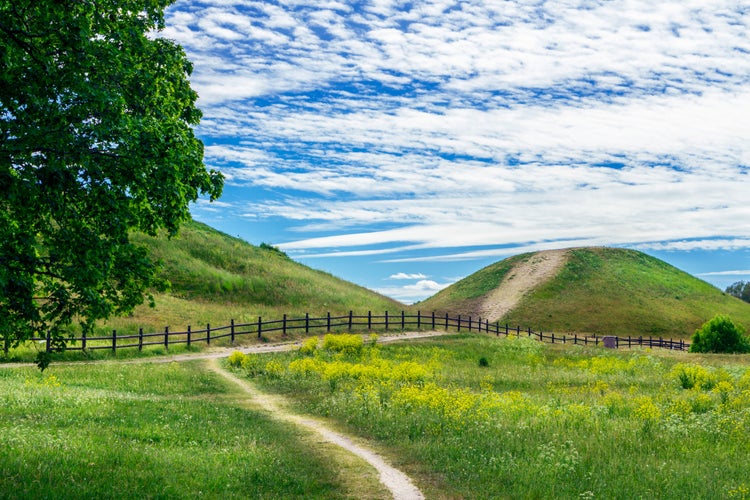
x=459, y=322
x=328, y=321
x=166, y=337
x=231, y=325
x=553, y=337
x=260, y=326
x=283, y=326
x=518, y=330
x=114, y=341
x=386, y=321
x=83, y=341
x=140, y=339
x=446, y=322
x=403, y=324
x=469, y=324
x=189, y=334
x=351, y=314
x=419, y=320
x=433, y=320
x=307, y=323
x=369, y=320
x=208, y=333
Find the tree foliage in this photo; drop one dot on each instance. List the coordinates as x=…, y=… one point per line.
x=740, y=289
x=720, y=334
x=96, y=141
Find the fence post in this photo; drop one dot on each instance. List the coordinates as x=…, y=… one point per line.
x=553, y=337
x=433, y=320
x=83, y=341
x=386, y=321
x=469, y=324
x=369, y=320
x=351, y=314
x=231, y=325
x=260, y=326
x=459, y=323
x=419, y=320
x=208, y=333
x=307, y=323
x=283, y=326
x=140, y=339
x=166, y=337
x=189, y=334
x=575, y=339
x=529, y=332
x=446, y=322
x=403, y=325
x=328, y=322
x=518, y=330
x=114, y=341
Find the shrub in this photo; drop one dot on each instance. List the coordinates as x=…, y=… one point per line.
x=345, y=343
x=235, y=359
x=720, y=334
x=309, y=345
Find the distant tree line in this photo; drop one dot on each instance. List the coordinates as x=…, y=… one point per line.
x=741, y=290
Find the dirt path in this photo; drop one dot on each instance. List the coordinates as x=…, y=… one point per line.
x=522, y=279
x=399, y=485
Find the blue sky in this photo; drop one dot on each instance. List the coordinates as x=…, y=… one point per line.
x=403, y=145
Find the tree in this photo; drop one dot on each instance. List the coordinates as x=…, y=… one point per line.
x=740, y=289
x=720, y=334
x=96, y=141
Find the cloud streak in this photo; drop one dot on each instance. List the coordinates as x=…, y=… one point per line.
x=440, y=131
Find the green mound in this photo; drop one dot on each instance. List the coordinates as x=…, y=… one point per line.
x=215, y=277
x=599, y=290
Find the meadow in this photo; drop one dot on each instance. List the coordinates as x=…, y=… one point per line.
x=123, y=430
x=470, y=416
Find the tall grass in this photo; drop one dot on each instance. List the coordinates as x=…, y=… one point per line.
x=533, y=420
x=146, y=431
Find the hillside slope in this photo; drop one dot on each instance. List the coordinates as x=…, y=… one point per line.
x=590, y=290
x=216, y=277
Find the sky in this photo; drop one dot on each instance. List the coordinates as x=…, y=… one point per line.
x=403, y=145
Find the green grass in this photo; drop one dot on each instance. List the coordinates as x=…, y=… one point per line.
x=148, y=431
x=539, y=421
x=604, y=291
x=216, y=277
x=624, y=292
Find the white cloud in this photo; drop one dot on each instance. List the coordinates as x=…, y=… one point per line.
x=745, y=272
x=478, y=128
x=406, y=276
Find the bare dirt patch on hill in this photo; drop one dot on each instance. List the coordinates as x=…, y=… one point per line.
x=522, y=279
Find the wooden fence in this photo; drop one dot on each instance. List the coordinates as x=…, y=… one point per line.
x=350, y=322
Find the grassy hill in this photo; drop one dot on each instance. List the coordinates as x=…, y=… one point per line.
x=599, y=290
x=216, y=277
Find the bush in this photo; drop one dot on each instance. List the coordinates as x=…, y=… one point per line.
x=309, y=346
x=235, y=359
x=344, y=343
x=720, y=334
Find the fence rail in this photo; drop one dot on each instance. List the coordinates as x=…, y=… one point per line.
x=371, y=322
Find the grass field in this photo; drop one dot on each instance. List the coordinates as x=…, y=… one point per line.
x=148, y=431
x=477, y=417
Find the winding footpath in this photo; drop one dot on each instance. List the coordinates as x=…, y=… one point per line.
x=393, y=479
